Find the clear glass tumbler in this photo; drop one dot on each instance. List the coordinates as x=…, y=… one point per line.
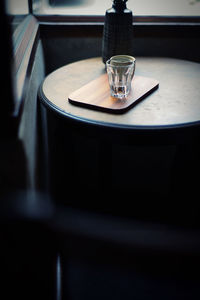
x=120, y=70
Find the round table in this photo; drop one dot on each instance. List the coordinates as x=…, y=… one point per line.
x=175, y=103
x=169, y=116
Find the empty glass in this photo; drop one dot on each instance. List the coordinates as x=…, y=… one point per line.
x=120, y=70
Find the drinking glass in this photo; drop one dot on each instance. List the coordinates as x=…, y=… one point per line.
x=120, y=70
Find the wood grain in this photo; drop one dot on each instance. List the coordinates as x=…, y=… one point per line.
x=96, y=94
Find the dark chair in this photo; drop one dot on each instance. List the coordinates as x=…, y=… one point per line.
x=69, y=253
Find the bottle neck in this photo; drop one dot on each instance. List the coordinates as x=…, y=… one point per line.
x=119, y=5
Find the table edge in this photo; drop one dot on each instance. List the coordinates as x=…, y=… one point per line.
x=63, y=113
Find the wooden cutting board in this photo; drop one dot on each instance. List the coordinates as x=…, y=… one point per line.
x=96, y=94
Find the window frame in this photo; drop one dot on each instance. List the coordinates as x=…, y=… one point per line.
x=23, y=41
x=158, y=19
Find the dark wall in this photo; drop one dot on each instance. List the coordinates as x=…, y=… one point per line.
x=65, y=44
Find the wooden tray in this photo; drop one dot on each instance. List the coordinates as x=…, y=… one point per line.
x=96, y=94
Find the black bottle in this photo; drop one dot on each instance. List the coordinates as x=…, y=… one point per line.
x=118, y=31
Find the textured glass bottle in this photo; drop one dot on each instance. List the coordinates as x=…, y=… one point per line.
x=118, y=31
